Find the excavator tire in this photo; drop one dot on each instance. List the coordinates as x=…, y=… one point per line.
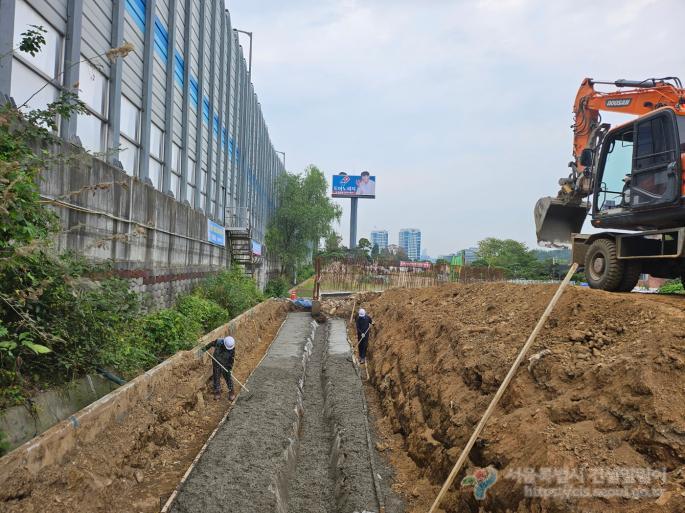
x=603, y=270
x=631, y=275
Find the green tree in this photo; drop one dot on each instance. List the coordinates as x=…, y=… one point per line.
x=304, y=216
x=512, y=256
x=375, y=251
x=364, y=244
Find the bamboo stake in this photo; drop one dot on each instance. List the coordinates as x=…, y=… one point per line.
x=502, y=388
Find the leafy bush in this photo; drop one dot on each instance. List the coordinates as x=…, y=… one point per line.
x=168, y=331
x=78, y=320
x=131, y=355
x=209, y=314
x=672, y=287
x=277, y=287
x=304, y=273
x=232, y=289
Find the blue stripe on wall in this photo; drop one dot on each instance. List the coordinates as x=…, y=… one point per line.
x=216, y=125
x=205, y=109
x=230, y=146
x=136, y=9
x=194, y=91
x=161, y=40
x=179, y=68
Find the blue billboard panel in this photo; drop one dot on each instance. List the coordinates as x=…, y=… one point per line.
x=216, y=234
x=256, y=248
x=354, y=186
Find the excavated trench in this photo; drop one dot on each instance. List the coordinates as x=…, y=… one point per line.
x=298, y=440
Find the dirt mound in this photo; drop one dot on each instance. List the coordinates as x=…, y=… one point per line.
x=599, y=409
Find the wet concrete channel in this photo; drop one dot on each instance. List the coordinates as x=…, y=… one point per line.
x=298, y=440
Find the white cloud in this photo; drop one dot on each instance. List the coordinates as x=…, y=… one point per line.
x=462, y=108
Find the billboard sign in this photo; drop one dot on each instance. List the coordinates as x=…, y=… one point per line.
x=216, y=234
x=256, y=248
x=416, y=265
x=354, y=186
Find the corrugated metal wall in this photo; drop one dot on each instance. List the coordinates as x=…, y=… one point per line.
x=209, y=118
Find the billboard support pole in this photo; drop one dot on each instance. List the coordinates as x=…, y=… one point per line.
x=353, y=223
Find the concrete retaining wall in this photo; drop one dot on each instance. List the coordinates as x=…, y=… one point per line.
x=21, y=423
x=158, y=243
x=54, y=445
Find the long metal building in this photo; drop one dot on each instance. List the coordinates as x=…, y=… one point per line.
x=179, y=111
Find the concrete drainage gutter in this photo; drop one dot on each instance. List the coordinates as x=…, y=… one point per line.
x=282, y=481
x=247, y=465
x=268, y=455
x=350, y=456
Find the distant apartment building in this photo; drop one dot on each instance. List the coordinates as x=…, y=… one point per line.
x=379, y=238
x=470, y=255
x=410, y=241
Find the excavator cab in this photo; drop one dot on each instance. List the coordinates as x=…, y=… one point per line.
x=637, y=182
x=638, y=178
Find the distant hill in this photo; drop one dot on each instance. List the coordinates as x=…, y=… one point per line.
x=561, y=255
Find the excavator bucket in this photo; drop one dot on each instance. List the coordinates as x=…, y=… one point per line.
x=556, y=221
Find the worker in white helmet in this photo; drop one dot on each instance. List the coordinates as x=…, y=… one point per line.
x=364, y=323
x=222, y=364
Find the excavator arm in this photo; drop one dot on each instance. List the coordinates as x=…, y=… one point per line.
x=557, y=218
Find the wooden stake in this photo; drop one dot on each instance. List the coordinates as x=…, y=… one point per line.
x=354, y=305
x=502, y=388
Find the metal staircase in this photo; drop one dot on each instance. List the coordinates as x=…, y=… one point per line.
x=240, y=238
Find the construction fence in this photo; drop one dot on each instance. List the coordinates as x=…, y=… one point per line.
x=359, y=275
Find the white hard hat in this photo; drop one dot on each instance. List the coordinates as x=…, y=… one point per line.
x=362, y=312
x=229, y=343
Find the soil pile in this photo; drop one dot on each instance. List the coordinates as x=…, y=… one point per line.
x=599, y=406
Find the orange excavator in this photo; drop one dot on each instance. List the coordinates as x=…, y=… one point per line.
x=628, y=178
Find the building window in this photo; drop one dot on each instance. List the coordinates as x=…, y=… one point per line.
x=156, y=155
x=203, y=189
x=157, y=142
x=49, y=59
x=92, y=87
x=176, y=170
x=128, y=155
x=130, y=117
x=155, y=172
x=176, y=158
x=203, y=181
x=130, y=132
x=190, y=191
x=90, y=129
x=25, y=82
x=93, y=92
x=175, y=185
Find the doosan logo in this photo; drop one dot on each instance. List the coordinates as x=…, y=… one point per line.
x=619, y=102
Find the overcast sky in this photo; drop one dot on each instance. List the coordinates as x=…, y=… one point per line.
x=460, y=108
